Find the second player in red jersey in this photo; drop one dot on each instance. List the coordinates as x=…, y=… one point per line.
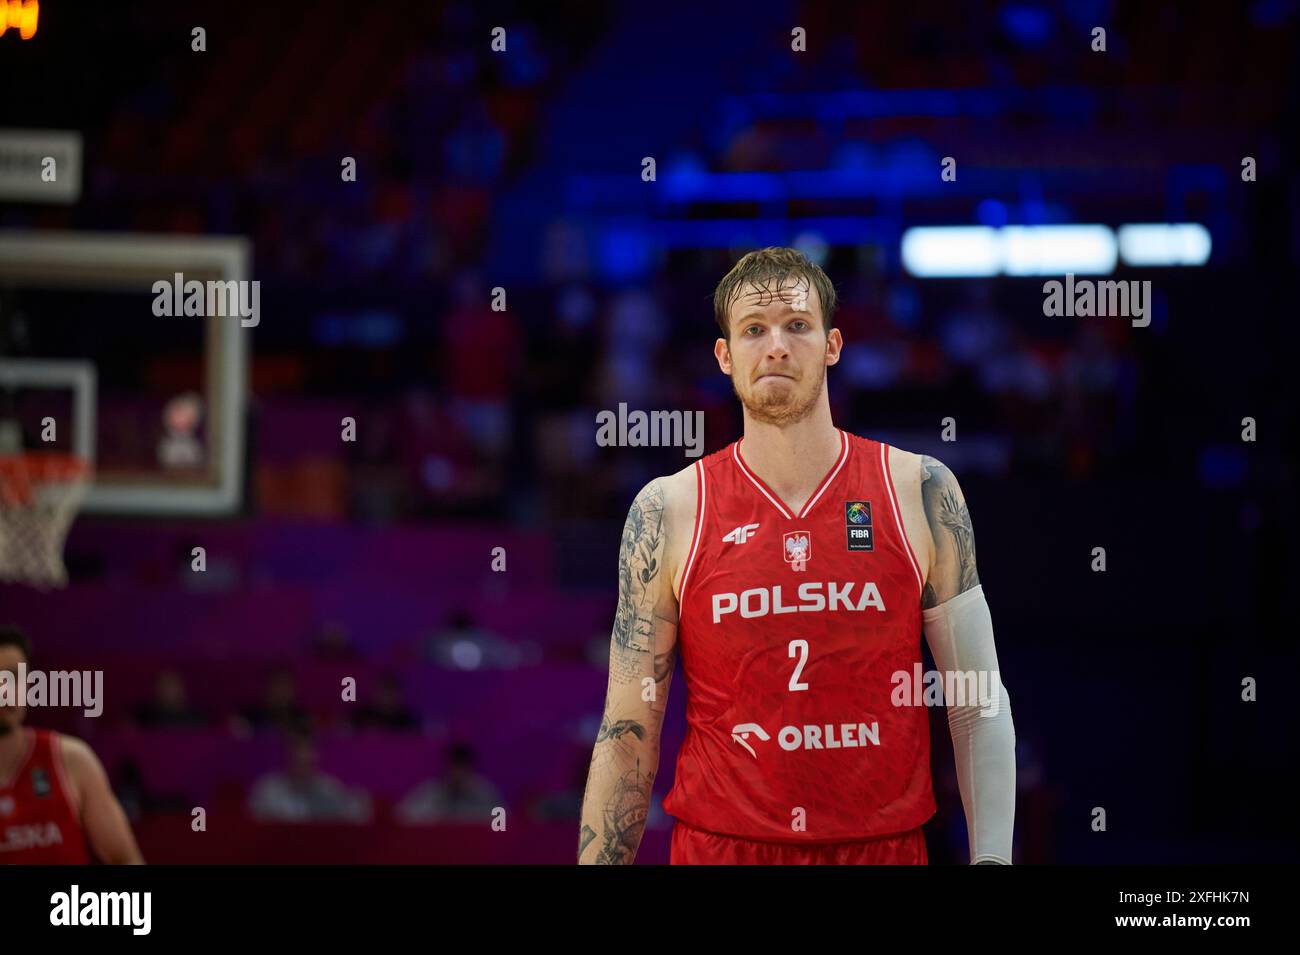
x=56, y=805
x=39, y=821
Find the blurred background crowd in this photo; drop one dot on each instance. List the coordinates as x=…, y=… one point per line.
x=478, y=170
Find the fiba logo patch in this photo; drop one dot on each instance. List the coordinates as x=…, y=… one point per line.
x=797, y=548
x=857, y=523
x=40, y=783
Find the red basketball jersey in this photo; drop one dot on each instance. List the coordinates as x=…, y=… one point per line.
x=791, y=629
x=38, y=825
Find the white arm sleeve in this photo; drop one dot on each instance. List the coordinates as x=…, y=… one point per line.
x=960, y=634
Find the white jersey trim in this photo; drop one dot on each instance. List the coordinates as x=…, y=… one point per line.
x=697, y=536
x=735, y=453
x=844, y=457
x=898, y=519
x=818, y=492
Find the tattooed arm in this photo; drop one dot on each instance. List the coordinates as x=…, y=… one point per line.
x=953, y=569
x=959, y=628
x=642, y=651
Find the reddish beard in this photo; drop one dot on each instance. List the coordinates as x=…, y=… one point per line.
x=782, y=408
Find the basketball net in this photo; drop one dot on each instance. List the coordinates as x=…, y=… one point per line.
x=40, y=492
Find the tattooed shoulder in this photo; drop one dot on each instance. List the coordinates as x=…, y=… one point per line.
x=640, y=558
x=950, y=526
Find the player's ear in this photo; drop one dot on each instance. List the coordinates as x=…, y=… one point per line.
x=834, y=344
x=722, y=352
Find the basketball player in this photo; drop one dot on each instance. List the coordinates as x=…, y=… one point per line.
x=793, y=571
x=56, y=806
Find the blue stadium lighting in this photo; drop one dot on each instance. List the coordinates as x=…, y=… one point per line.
x=812, y=245
x=951, y=251
x=1056, y=249
x=1182, y=243
x=975, y=251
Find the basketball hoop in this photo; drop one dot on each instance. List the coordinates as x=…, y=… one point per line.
x=40, y=492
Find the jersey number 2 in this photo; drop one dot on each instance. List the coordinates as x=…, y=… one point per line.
x=801, y=648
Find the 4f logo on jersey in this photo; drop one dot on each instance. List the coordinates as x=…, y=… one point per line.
x=40, y=783
x=796, y=547
x=741, y=534
x=857, y=522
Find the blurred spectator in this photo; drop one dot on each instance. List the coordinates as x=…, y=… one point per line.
x=137, y=799
x=279, y=708
x=977, y=331
x=445, y=468
x=562, y=369
x=461, y=795
x=1017, y=370
x=463, y=645
x=475, y=150
x=333, y=643
x=378, y=484
x=388, y=711
x=483, y=358
x=302, y=793
x=634, y=333
x=565, y=803
x=180, y=446
x=221, y=572
x=170, y=707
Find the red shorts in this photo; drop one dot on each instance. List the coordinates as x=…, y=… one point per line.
x=692, y=846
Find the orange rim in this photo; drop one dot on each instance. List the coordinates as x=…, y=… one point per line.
x=21, y=474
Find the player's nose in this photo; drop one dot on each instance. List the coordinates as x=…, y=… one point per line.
x=777, y=347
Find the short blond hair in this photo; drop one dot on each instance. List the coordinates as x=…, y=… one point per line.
x=771, y=268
